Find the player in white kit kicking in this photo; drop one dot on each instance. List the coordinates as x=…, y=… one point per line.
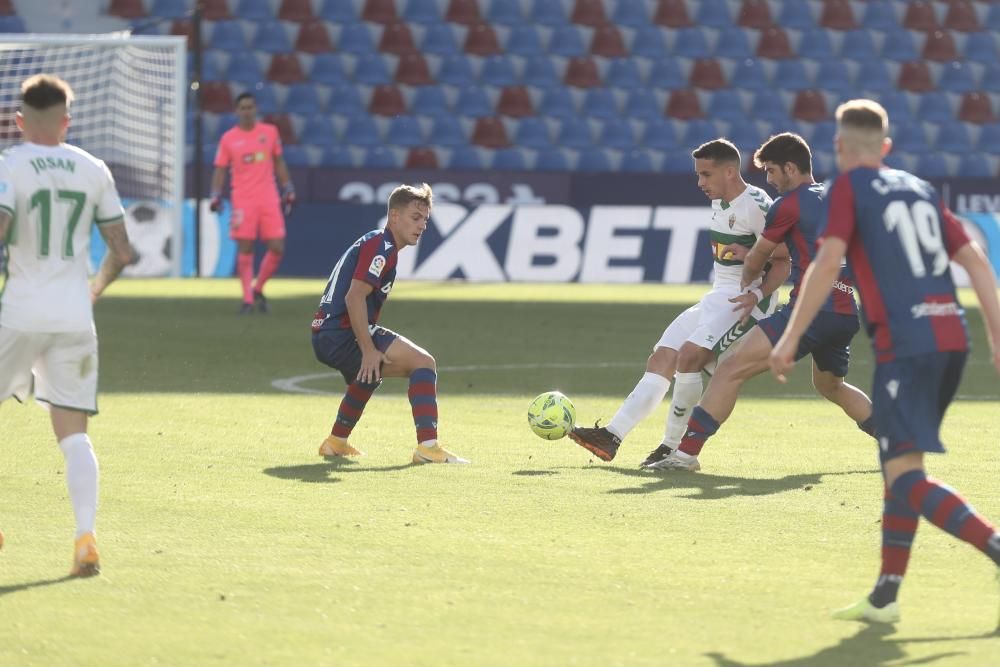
x=696, y=337
x=50, y=195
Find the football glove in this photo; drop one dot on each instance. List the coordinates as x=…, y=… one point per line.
x=287, y=199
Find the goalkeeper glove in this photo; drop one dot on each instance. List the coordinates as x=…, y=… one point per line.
x=216, y=204
x=287, y=198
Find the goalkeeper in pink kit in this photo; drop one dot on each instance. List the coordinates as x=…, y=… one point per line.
x=252, y=150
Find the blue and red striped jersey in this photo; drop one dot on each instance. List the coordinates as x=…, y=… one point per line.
x=372, y=259
x=794, y=219
x=900, y=239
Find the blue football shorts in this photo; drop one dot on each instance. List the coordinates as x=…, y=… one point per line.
x=828, y=338
x=338, y=349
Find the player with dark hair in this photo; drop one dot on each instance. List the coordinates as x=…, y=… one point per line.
x=347, y=337
x=696, y=337
x=252, y=150
x=898, y=238
x=793, y=224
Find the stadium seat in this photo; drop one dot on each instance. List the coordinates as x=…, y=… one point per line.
x=370, y=70
x=481, y=40
x=523, y=40
x=125, y=9
x=940, y=47
x=956, y=77
x=455, y=71
x=953, y=137
x=992, y=20
x=379, y=11
x=837, y=15
x=660, y=134
x=915, y=76
x=989, y=138
x=962, y=16
x=980, y=47
x=424, y=12
x=404, y=131
x=295, y=155
x=589, y=13
x=643, y=104
x=910, y=138
x=387, y=100
x=697, y=131
x=539, y=71
x=266, y=98
x=338, y=11
x=228, y=36
x=616, y=133
x=439, y=40
x=976, y=107
x=897, y=105
x=313, y=37
x=899, y=46
x=833, y=76
x=749, y=75
x=245, y=71
x=515, y=102
x=465, y=157
x=632, y=13
x=623, y=73
x=593, y=160
x=253, y=10
x=430, y=101
x=473, y=102
x=396, y=38
x=532, y=132
x=553, y=159
x=505, y=12
x=880, y=16
x=874, y=76
x=899, y=160
x=815, y=44
x=582, y=73
x=356, y=38
x=497, y=71
x=566, y=41
x=345, y=100
x=649, y=42
x=668, y=13
x=600, y=103
x=745, y=134
x=666, y=74
x=465, y=12
x=165, y=9
x=791, y=75
x=546, y=12
x=638, y=161
x=990, y=80
x=823, y=132
x=796, y=15
x=691, y=43
x=712, y=14
x=608, y=42
x=755, y=14
x=974, y=165
x=380, y=157
x=361, y=131
x=935, y=107
x=285, y=68
x=216, y=97
x=509, y=159
x=932, y=165
x=412, y=70
x=271, y=37
x=706, y=74
x=284, y=125
x=769, y=106
x=574, y=132
x=298, y=11
x=489, y=131
x=726, y=104
x=319, y=130
x=810, y=106
x=774, y=44
x=303, y=98
x=920, y=16
x=211, y=66
x=857, y=45
x=447, y=131
x=180, y=28
x=327, y=69
x=732, y=43
x=684, y=104
x=421, y=158
x=677, y=162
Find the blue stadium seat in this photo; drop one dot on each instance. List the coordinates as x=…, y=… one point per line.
x=726, y=104
x=600, y=103
x=338, y=11
x=956, y=77
x=356, y=38
x=532, y=132
x=897, y=104
x=337, y=156
x=505, y=12
x=666, y=74
x=253, y=10
x=455, y=71
x=630, y=13
x=244, y=70
x=267, y=99
x=616, y=133
x=873, y=75
x=539, y=71
x=697, y=131
x=566, y=41
x=935, y=107
x=430, y=101
x=473, y=102
x=362, y=131
x=660, y=134
x=879, y=15
x=642, y=104
x=509, y=159
x=638, y=161
x=796, y=15
x=822, y=135
x=953, y=137
x=447, y=131
x=623, y=73
x=318, y=130
x=546, y=12
x=345, y=100
x=295, y=155
x=371, y=70
x=557, y=102
x=770, y=106
x=745, y=134
x=823, y=164
x=574, y=132
x=749, y=75
x=225, y=122
x=733, y=43
x=899, y=160
x=327, y=69
x=900, y=47
x=404, y=131
x=523, y=40
x=465, y=157
x=910, y=138
x=713, y=14
x=932, y=165
x=552, y=160
x=989, y=138
x=380, y=157
x=691, y=43
x=422, y=11
x=992, y=21
x=593, y=160
x=990, y=80
x=271, y=37
x=980, y=47
x=649, y=42
x=497, y=71
x=974, y=165
x=858, y=45
x=439, y=40
x=165, y=9
x=815, y=44
x=677, y=162
x=833, y=76
x=791, y=74
x=212, y=65
x=228, y=36
x=303, y=98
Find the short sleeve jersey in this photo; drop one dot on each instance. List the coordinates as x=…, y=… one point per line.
x=250, y=156
x=794, y=220
x=900, y=238
x=55, y=194
x=371, y=259
x=739, y=221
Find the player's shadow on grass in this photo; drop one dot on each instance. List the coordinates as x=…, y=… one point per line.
x=871, y=646
x=41, y=583
x=320, y=473
x=715, y=487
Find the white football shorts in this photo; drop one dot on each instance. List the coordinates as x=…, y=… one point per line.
x=712, y=324
x=60, y=367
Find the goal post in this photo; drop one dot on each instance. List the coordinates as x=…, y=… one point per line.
x=129, y=110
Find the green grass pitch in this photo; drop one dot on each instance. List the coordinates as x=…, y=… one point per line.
x=226, y=540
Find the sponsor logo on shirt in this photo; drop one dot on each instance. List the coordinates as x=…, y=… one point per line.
x=732, y=220
x=843, y=287
x=935, y=310
x=387, y=245
x=378, y=263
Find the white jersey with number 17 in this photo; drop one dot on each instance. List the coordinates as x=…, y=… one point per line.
x=55, y=194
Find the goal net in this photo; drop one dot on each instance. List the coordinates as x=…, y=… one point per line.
x=128, y=111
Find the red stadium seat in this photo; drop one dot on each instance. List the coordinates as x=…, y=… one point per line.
x=920, y=16
x=976, y=108
x=582, y=73
x=379, y=11
x=672, y=14
x=608, y=42
x=589, y=12
x=915, y=76
x=183, y=28
x=387, y=101
x=490, y=132
x=684, y=104
x=940, y=46
x=285, y=68
x=810, y=106
x=126, y=9
x=412, y=70
x=962, y=16
x=514, y=101
x=396, y=38
x=421, y=158
x=755, y=14
x=216, y=97
x=707, y=73
x=774, y=43
x=313, y=37
x=215, y=10
x=284, y=125
x=481, y=40
x=298, y=11
x=465, y=12
x=837, y=15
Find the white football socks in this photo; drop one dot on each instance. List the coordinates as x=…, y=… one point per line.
x=648, y=394
x=687, y=393
x=81, y=478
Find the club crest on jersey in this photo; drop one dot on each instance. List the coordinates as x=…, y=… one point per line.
x=732, y=220
x=378, y=263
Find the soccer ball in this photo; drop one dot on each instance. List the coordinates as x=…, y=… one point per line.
x=551, y=415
